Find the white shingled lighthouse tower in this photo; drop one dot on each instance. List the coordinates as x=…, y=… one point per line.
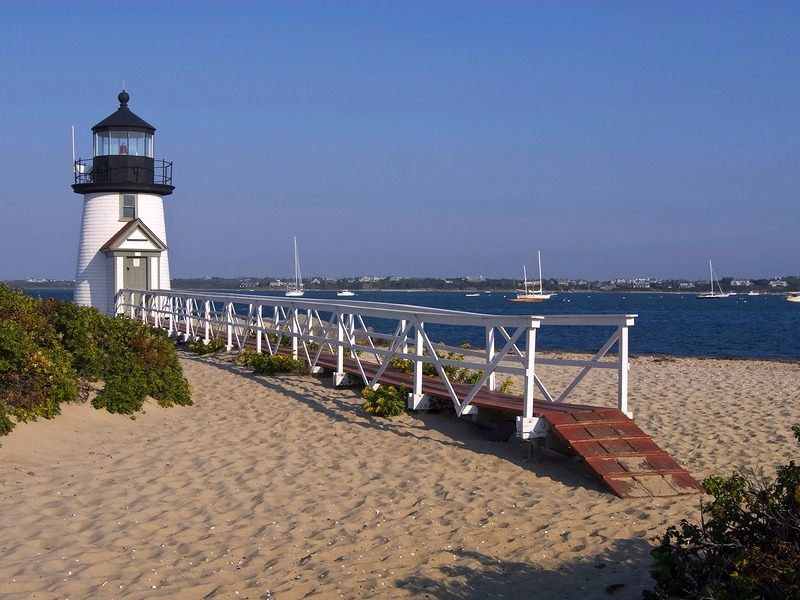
x=123, y=241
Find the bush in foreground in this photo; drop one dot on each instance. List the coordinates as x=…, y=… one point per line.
x=49, y=349
x=747, y=544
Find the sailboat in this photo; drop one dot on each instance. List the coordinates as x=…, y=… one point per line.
x=296, y=289
x=713, y=294
x=531, y=295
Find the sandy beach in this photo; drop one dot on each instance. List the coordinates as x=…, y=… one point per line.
x=285, y=488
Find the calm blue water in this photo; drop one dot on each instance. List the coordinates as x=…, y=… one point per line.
x=673, y=324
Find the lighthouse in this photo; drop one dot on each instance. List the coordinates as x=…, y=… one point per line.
x=123, y=240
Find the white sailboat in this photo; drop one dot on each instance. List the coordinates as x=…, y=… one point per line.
x=531, y=295
x=296, y=289
x=715, y=293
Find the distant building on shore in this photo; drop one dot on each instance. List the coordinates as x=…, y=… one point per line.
x=123, y=240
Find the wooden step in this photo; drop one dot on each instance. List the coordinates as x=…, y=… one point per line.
x=628, y=461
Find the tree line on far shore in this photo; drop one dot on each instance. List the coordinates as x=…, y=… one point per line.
x=455, y=284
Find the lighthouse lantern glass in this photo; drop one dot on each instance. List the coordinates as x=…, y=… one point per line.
x=118, y=142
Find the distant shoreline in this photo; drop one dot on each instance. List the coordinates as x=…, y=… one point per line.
x=481, y=290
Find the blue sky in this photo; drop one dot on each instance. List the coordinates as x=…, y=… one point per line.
x=439, y=139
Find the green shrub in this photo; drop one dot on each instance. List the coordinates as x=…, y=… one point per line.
x=143, y=363
x=27, y=312
x=124, y=391
x=747, y=544
x=285, y=340
x=505, y=386
x=48, y=349
x=6, y=424
x=201, y=348
x=34, y=379
x=266, y=364
x=454, y=374
x=81, y=330
x=385, y=401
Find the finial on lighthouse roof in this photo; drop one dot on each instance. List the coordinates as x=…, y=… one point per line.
x=123, y=99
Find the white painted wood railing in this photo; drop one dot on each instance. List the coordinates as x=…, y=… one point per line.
x=310, y=326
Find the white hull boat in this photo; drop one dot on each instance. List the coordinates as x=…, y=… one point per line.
x=295, y=290
x=531, y=295
x=716, y=292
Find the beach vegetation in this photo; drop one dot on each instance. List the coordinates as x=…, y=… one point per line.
x=454, y=374
x=143, y=362
x=386, y=400
x=747, y=544
x=283, y=340
x=267, y=364
x=505, y=386
x=50, y=350
x=201, y=348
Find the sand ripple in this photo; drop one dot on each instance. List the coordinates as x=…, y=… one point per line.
x=284, y=488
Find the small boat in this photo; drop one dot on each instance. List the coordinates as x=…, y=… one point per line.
x=753, y=293
x=793, y=297
x=345, y=293
x=295, y=290
x=471, y=295
x=715, y=293
x=531, y=295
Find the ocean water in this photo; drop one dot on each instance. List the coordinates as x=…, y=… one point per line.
x=763, y=327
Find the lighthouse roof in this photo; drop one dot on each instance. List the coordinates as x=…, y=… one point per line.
x=123, y=118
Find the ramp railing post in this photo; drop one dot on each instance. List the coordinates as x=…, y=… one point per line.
x=622, y=377
x=418, y=401
x=491, y=381
x=530, y=372
x=295, y=333
x=259, y=333
x=188, y=329
x=170, y=305
x=340, y=346
x=528, y=425
x=229, y=326
x=207, y=322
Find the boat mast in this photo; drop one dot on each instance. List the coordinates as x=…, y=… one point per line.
x=541, y=281
x=711, y=275
x=525, y=279
x=297, y=276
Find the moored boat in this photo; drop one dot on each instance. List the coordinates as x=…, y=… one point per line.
x=531, y=294
x=715, y=293
x=296, y=289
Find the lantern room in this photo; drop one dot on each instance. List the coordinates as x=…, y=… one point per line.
x=123, y=156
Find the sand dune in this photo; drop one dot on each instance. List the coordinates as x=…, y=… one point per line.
x=285, y=488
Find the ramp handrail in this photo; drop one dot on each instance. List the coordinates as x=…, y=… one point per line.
x=310, y=326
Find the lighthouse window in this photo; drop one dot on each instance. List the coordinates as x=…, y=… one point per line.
x=101, y=144
x=136, y=143
x=118, y=142
x=127, y=207
x=132, y=143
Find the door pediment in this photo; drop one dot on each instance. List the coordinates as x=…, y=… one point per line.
x=134, y=236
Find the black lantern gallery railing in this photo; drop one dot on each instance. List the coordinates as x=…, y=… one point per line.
x=123, y=169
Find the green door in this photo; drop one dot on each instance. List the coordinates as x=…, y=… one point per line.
x=135, y=275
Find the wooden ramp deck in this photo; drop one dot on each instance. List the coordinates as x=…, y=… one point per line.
x=625, y=458
x=621, y=454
